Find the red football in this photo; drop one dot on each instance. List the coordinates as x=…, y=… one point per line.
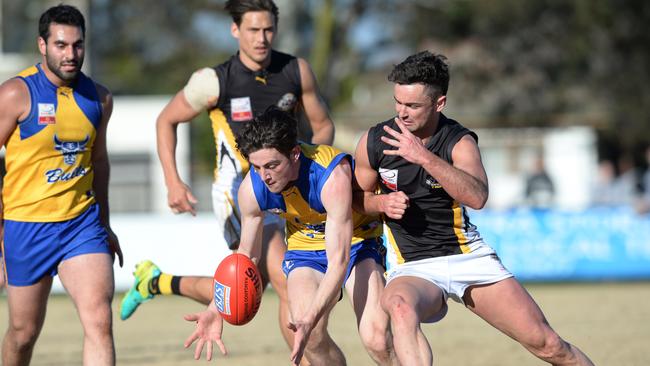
x=237, y=289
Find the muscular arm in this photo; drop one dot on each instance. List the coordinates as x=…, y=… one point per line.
x=336, y=196
x=184, y=106
x=15, y=102
x=465, y=180
x=252, y=221
x=366, y=200
x=315, y=110
x=101, y=166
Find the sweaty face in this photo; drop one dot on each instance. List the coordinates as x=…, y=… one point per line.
x=415, y=107
x=275, y=169
x=255, y=35
x=63, y=51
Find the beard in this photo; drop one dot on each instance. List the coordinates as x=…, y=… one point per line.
x=66, y=76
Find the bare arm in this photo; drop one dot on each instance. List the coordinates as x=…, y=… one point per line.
x=102, y=169
x=336, y=196
x=15, y=102
x=366, y=200
x=465, y=180
x=315, y=110
x=178, y=110
x=252, y=221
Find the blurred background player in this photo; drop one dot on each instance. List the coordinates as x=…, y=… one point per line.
x=233, y=93
x=428, y=168
x=329, y=245
x=55, y=192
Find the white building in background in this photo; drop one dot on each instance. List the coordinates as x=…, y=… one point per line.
x=569, y=155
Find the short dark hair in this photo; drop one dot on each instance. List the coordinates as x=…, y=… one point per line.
x=60, y=14
x=425, y=68
x=237, y=8
x=273, y=129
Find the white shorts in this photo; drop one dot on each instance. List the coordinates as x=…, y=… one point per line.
x=453, y=274
x=226, y=208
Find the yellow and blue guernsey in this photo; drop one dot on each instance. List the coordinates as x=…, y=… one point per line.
x=301, y=205
x=48, y=159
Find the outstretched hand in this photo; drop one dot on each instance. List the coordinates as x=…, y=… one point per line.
x=409, y=146
x=209, y=327
x=301, y=331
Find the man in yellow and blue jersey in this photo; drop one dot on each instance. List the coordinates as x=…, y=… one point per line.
x=232, y=93
x=55, y=192
x=328, y=245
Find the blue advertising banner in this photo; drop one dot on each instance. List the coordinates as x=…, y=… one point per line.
x=548, y=245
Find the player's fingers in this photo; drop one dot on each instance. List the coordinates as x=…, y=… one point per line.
x=391, y=152
x=199, y=349
x=191, y=317
x=191, y=198
x=222, y=347
x=209, y=351
x=401, y=126
x=120, y=256
x=390, y=141
x=392, y=132
x=188, y=342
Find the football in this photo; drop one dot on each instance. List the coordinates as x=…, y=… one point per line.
x=237, y=289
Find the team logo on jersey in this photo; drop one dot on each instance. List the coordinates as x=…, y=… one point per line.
x=70, y=149
x=222, y=297
x=46, y=114
x=389, y=178
x=287, y=102
x=241, y=109
x=431, y=183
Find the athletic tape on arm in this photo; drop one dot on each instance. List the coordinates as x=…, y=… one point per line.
x=202, y=89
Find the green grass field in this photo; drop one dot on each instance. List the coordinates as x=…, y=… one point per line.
x=608, y=321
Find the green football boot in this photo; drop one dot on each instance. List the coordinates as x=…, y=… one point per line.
x=140, y=292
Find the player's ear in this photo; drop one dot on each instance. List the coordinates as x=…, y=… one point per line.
x=440, y=103
x=234, y=30
x=295, y=153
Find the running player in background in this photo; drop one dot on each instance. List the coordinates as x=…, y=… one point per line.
x=428, y=168
x=55, y=193
x=329, y=245
x=233, y=93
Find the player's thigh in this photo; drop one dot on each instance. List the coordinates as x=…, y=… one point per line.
x=507, y=306
x=302, y=284
x=273, y=250
x=28, y=304
x=364, y=288
x=421, y=295
x=88, y=279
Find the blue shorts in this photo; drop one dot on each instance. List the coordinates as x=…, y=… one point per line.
x=33, y=250
x=317, y=259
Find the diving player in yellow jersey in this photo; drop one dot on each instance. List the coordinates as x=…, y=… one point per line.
x=329, y=245
x=55, y=193
x=232, y=93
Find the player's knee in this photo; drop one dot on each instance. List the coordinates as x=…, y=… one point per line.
x=98, y=323
x=399, y=310
x=547, y=345
x=23, y=337
x=376, y=342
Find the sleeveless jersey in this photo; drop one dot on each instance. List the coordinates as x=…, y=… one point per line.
x=434, y=224
x=243, y=95
x=301, y=205
x=48, y=158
